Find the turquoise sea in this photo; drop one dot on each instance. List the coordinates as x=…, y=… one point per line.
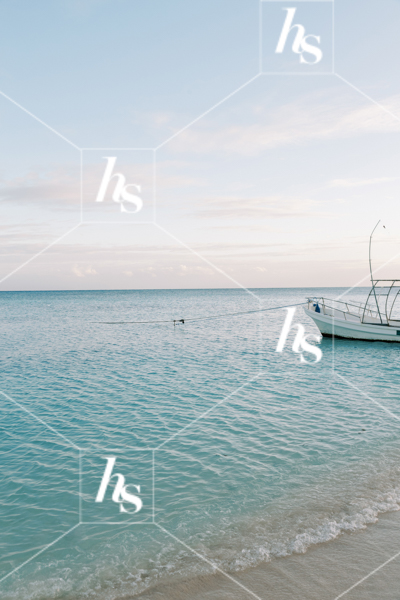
x=243, y=455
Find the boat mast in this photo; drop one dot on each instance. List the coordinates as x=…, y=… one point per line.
x=370, y=269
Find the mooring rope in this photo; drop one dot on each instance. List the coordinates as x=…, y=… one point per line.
x=183, y=321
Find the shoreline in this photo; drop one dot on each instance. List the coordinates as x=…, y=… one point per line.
x=324, y=572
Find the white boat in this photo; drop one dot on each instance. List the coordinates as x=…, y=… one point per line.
x=359, y=321
x=378, y=319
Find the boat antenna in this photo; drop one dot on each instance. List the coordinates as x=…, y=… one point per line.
x=370, y=269
x=370, y=241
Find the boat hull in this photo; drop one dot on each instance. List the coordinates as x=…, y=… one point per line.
x=353, y=330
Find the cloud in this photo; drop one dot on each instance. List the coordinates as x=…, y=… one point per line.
x=55, y=189
x=239, y=207
x=327, y=115
x=60, y=189
x=83, y=271
x=353, y=182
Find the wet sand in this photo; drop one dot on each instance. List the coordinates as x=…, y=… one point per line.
x=323, y=573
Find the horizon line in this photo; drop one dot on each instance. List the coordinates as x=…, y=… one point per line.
x=181, y=289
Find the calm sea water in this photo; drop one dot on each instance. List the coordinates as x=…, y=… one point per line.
x=258, y=455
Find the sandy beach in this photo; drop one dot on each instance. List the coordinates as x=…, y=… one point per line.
x=324, y=572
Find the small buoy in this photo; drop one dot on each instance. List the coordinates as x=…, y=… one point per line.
x=179, y=321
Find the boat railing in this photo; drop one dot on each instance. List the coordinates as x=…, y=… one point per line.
x=388, y=290
x=347, y=309
x=381, y=306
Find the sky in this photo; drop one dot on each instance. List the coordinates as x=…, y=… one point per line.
x=253, y=169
